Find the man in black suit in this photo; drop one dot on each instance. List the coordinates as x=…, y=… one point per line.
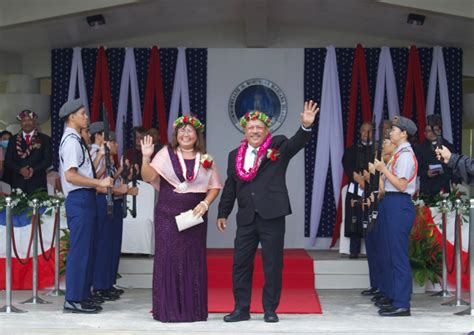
x=256, y=177
x=435, y=176
x=28, y=155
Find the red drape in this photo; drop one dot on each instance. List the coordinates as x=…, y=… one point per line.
x=102, y=90
x=154, y=89
x=359, y=75
x=415, y=81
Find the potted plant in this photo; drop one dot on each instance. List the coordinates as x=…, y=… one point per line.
x=424, y=250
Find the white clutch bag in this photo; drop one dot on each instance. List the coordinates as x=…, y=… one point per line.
x=187, y=220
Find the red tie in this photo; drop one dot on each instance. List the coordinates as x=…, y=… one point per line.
x=27, y=139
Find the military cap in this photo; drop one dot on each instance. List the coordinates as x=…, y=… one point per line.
x=70, y=107
x=404, y=124
x=96, y=127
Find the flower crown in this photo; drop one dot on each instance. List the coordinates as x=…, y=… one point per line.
x=186, y=119
x=254, y=116
x=27, y=113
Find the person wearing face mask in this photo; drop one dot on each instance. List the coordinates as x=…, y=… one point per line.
x=4, y=139
x=187, y=180
x=28, y=155
x=256, y=177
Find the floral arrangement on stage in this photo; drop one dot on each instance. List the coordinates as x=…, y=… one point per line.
x=424, y=251
x=437, y=200
x=23, y=202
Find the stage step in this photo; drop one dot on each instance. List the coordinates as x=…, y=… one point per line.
x=331, y=271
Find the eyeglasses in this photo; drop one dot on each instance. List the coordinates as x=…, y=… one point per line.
x=185, y=131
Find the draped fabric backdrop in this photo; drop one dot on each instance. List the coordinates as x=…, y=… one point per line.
x=196, y=61
x=313, y=78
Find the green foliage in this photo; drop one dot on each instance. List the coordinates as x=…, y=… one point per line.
x=425, y=253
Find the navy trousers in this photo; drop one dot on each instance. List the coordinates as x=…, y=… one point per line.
x=373, y=256
x=81, y=221
x=117, y=230
x=103, y=246
x=399, y=215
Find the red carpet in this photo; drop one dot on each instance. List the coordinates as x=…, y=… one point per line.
x=298, y=294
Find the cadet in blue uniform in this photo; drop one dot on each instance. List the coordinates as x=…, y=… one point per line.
x=396, y=218
x=109, y=228
x=78, y=184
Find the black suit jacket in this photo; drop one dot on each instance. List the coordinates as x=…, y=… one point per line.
x=267, y=193
x=39, y=159
x=425, y=155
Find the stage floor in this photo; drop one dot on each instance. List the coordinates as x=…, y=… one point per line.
x=344, y=312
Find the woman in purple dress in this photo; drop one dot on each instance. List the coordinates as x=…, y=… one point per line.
x=187, y=180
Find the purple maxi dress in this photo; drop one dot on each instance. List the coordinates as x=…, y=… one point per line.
x=180, y=268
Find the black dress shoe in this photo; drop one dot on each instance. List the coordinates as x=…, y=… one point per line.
x=79, y=307
x=91, y=304
x=370, y=291
x=377, y=297
x=354, y=256
x=394, y=311
x=106, y=295
x=96, y=299
x=270, y=317
x=117, y=290
x=383, y=304
x=237, y=316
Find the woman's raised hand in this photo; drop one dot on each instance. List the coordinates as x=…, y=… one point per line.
x=147, y=146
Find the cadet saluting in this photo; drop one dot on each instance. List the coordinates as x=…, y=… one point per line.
x=78, y=183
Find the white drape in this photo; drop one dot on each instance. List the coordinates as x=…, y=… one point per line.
x=438, y=71
x=330, y=145
x=77, y=77
x=180, y=91
x=385, y=81
x=129, y=80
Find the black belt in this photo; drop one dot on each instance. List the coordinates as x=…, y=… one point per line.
x=84, y=189
x=397, y=193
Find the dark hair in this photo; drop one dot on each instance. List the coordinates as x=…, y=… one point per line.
x=5, y=132
x=199, y=146
x=141, y=130
x=93, y=136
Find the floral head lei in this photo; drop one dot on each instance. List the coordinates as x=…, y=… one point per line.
x=193, y=121
x=27, y=113
x=254, y=116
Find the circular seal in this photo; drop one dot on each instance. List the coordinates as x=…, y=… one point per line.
x=258, y=94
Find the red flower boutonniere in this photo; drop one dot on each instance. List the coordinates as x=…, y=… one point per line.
x=207, y=161
x=273, y=154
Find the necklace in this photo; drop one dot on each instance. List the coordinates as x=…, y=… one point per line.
x=189, y=176
x=186, y=150
x=239, y=160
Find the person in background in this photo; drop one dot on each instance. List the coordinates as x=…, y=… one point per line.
x=354, y=162
x=86, y=137
x=28, y=156
x=140, y=133
x=435, y=176
x=154, y=133
x=4, y=139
